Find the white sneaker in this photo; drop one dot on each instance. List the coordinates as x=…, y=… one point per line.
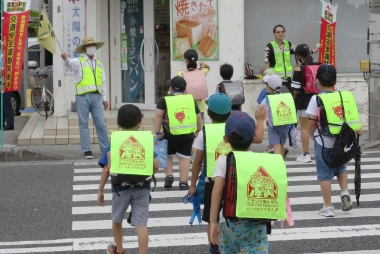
x=327, y=211
x=269, y=150
x=346, y=200
x=304, y=158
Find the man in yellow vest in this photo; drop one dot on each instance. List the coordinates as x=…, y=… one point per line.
x=180, y=118
x=91, y=93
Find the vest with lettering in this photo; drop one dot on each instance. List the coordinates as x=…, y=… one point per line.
x=255, y=188
x=283, y=67
x=214, y=146
x=91, y=80
x=181, y=114
x=131, y=157
x=281, y=109
x=331, y=115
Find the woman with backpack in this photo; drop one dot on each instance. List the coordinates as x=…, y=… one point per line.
x=302, y=99
x=191, y=58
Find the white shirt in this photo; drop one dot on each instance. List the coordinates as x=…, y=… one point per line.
x=75, y=65
x=198, y=143
x=312, y=109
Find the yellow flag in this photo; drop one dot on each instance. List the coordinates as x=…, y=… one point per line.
x=46, y=36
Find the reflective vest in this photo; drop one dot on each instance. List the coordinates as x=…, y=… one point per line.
x=131, y=156
x=262, y=185
x=283, y=67
x=333, y=110
x=281, y=109
x=91, y=81
x=181, y=114
x=214, y=145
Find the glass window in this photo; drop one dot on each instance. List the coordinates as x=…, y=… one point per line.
x=300, y=19
x=35, y=55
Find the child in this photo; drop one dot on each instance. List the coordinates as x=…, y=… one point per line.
x=326, y=79
x=277, y=134
x=128, y=119
x=184, y=113
x=241, y=235
x=234, y=89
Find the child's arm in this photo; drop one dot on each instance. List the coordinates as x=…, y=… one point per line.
x=158, y=119
x=359, y=132
x=156, y=165
x=216, y=198
x=312, y=125
x=260, y=115
x=102, y=183
x=199, y=123
x=203, y=65
x=197, y=166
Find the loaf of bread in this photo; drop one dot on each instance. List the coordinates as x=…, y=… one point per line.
x=191, y=29
x=180, y=46
x=208, y=45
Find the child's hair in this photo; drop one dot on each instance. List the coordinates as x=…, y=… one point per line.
x=304, y=51
x=326, y=74
x=235, y=141
x=235, y=107
x=191, y=65
x=192, y=56
x=217, y=117
x=226, y=71
x=129, y=116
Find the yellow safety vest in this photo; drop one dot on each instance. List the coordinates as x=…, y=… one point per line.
x=91, y=81
x=214, y=146
x=262, y=186
x=181, y=113
x=332, y=105
x=131, y=153
x=283, y=67
x=282, y=110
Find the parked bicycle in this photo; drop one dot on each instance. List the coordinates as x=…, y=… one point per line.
x=42, y=98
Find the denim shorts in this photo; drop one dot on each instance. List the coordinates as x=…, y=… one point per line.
x=277, y=134
x=324, y=172
x=244, y=236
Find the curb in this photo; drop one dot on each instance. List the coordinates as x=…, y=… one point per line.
x=23, y=154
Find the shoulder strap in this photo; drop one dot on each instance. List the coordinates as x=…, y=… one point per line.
x=341, y=100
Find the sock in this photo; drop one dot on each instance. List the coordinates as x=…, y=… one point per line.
x=304, y=154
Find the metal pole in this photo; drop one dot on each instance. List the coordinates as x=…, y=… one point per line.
x=374, y=70
x=2, y=83
x=42, y=49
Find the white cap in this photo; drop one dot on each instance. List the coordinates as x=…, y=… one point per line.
x=274, y=81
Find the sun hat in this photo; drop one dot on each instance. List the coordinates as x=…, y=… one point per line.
x=88, y=41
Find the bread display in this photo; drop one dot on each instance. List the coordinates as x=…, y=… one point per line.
x=180, y=46
x=190, y=29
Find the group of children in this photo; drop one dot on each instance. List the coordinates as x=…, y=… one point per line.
x=230, y=130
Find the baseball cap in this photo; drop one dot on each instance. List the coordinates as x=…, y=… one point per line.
x=191, y=55
x=302, y=50
x=326, y=74
x=177, y=83
x=242, y=124
x=129, y=116
x=274, y=81
x=219, y=103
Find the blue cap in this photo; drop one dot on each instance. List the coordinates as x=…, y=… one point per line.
x=242, y=124
x=219, y=103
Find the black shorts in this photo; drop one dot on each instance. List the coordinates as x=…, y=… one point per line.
x=180, y=145
x=207, y=202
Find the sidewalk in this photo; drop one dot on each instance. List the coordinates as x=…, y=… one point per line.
x=74, y=153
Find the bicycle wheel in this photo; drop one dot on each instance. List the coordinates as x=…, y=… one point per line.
x=38, y=102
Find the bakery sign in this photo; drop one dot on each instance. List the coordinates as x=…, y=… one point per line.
x=195, y=25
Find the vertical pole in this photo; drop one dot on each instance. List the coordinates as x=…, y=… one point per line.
x=1, y=82
x=374, y=70
x=42, y=49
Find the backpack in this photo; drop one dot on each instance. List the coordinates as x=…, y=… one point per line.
x=234, y=90
x=311, y=79
x=231, y=188
x=286, y=113
x=196, y=84
x=248, y=69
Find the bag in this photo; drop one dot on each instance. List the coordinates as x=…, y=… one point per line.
x=161, y=150
x=295, y=135
x=248, y=69
x=234, y=90
x=196, y=84
x=311, y=79
x=200, y=189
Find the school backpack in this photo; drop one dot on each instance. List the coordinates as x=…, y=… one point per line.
x=282, y=106
x=259, y=197
x=234, y=90
x=311, y=79
x=248, y=69
x=196, y=84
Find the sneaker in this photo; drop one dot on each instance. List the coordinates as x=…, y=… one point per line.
x=305, y=158
x=327, y=211
x=183, y=186
x=88, y=155
x=346, y=200
x=169, y=179
x=286, y=151
x=111, y=249
x=269, y=150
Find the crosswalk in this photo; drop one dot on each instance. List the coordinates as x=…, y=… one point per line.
x=354, y=232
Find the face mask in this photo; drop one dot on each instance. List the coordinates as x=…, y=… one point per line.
x=91, y=50
x=170, y=92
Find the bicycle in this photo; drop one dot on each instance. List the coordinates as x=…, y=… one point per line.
x=42, y=98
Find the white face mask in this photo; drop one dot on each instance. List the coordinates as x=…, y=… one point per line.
x=91, y=50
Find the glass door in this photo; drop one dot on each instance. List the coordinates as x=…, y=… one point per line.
x=137, y=54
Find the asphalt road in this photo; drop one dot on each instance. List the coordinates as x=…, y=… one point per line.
x=51, y=207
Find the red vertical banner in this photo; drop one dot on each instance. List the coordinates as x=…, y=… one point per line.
x=15, y=31
x=327, y=33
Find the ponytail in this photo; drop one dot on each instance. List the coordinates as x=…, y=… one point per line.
x=192, y=64
x=308, y=60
